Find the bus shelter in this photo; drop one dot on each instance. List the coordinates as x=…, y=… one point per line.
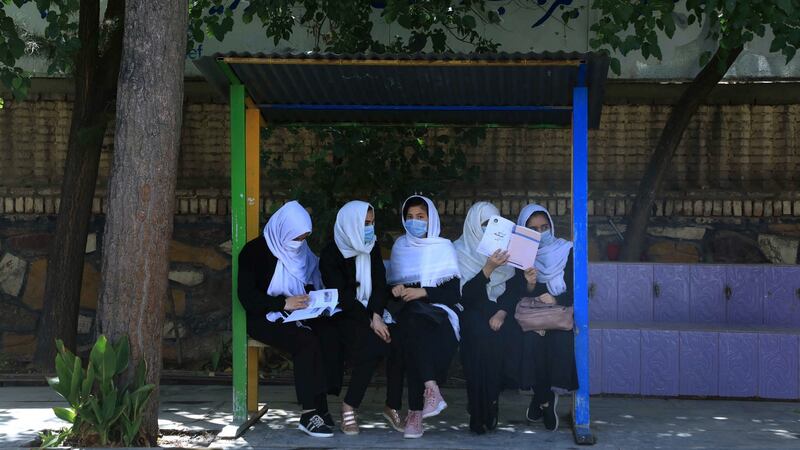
x=549, y=90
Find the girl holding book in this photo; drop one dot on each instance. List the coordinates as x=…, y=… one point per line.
x=276, y=272
x=483, y=328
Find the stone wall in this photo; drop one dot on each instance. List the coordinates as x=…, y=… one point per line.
x=197, y=311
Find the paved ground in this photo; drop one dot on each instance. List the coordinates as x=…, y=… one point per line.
x=617, y=422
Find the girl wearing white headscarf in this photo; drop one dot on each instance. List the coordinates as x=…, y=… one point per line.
x=483, y=282
x=276, y=271
x=353, y=264
x=424, y=275
x=547, y=362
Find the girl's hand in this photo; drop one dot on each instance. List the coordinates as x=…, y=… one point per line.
x=530, y=276
x=398, y=290
x=296, y=302
x=497, y=320
x=411, y=294
x=498, y=258
x=380, y=328
x=547, y=298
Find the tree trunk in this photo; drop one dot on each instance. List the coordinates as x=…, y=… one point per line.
x=679, y=118
x=95, y=87
x=141, y=191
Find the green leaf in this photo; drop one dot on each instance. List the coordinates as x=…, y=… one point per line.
x=669, y=26
x=777, y=44
x=417, y=42
x=141, y=371
x=123, y=354
x=615, y=66
x=789, y=52
x=469, y=22
x=75, y=382
x=57, y=386
x=786, y=6
x=66, y=414
x=624, y=11
x=104, y=360
x=88, y=382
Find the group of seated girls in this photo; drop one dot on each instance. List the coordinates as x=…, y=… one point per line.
x=435, y=296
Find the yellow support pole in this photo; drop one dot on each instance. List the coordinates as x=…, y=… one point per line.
x=253, y=167
x=252, y=170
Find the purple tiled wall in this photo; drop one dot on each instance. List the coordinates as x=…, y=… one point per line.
x=746, y=303
x=781, y=303
x=635, y=293
x=699, y=364
x=695, y=330
x=621, y=361
x=603, y=292
x=671, y=293
x=738, y=364
x=708, y=295
x=778, y=366
x=660, y=362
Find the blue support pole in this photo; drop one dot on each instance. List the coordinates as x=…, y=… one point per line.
x=580, y=197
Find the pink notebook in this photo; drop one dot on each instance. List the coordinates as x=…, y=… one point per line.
x=521, y=243
x=522, y=247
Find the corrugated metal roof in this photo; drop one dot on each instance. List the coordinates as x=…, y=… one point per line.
x=452, y=87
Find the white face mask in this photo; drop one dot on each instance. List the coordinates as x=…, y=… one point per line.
x=294, y=246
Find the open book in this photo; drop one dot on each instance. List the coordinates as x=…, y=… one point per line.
x=324, y=302
x=521, y=243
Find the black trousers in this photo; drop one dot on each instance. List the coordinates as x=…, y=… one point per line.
x=347, y=337
x=548, y=363
x=488, y=366
x=427, y=348
x=395, y=369
x=303, y=345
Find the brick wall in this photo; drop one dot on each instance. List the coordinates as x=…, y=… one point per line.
x=734, y=160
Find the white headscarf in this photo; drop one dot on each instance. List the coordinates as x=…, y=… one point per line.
x=348, y=232
x=295, y=269
x=429, y=261
x=470, y=262
x=550, y=259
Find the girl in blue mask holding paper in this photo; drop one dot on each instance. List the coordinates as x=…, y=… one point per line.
x=547, y=363
x=424, y=276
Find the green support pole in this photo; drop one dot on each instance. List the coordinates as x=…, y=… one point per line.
x=238, y=239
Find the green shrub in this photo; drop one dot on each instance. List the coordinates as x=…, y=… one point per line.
x=105, y=406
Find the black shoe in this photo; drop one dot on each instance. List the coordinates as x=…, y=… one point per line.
x=476, y=426
x=551, y=414
x=494, y=411
x=312, y=424
x=534, y=412
x=328, y=418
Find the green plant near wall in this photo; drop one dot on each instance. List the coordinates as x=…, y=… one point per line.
x=105, y=406
x=381, y=165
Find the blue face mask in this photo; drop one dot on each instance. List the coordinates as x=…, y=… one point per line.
x=369, y=234
x=417, y=228
x=547, y=238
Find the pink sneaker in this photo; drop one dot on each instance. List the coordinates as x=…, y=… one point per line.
x=413, y=425
x=434, y=403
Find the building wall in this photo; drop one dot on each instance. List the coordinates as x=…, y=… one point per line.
x=731, y=197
